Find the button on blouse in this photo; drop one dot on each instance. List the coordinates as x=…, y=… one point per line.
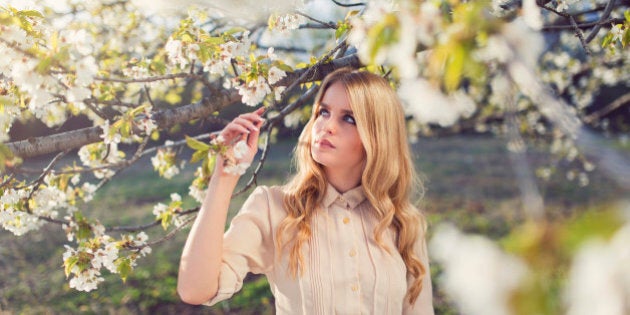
x=346, y=271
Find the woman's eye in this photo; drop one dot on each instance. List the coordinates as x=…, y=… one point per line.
x=349, y=119
x=323, y=112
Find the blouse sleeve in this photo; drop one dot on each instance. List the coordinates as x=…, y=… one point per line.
x=247, y=245
x=424, y=303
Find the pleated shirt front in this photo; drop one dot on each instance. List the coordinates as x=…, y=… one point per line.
x=346, y=271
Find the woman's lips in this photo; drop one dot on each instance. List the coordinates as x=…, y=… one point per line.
x=325, y=143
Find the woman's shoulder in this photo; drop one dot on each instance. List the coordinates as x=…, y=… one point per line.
x=273, y=197
x=272, y=192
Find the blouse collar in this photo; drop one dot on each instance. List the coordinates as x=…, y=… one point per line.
x=350, y=199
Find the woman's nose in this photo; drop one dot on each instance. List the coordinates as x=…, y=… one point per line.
x=329, y=126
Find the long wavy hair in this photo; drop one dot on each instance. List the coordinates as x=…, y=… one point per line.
x=388, y=179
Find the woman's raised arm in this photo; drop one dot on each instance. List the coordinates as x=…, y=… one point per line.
x=200, y=263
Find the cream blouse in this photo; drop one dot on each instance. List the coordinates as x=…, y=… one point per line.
x=346, y=272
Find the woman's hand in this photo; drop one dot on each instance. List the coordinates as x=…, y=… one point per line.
x=245, y=128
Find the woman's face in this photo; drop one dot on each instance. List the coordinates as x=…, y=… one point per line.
x=335, y=141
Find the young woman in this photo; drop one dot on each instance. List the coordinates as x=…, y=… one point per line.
x=342, y=237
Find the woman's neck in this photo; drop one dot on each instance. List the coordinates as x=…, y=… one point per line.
x=343, y=180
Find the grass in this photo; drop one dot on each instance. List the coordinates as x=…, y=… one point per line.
x=469, y=181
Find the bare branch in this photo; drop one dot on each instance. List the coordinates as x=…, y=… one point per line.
x=166, y=237
x=582, y=25
x=326, y=24
x=7, y=181
x=47, y=170
x=348, y=5
x=605, y=15
x=578, y=33
x=126, y=163
x=593, y=117
x=320, y=71
x=147, y=79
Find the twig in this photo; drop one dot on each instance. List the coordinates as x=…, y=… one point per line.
x=146, y=79
x=148, y=225
x=578, y=33
x=167, y=237
x=261, y=162
x=110, y=103
x=593, y=117
x=605, y=15
x=348, y=5
x=327, y=24
x=8, y=180
x=47, y=170
x=133, y=228
x=582, y=25
x=51, y=220
x=126, y=163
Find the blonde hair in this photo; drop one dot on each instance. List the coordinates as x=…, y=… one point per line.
x=388, y=178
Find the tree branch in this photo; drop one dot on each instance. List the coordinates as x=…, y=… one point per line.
x=348, y=5
x=164, y=119
x=318, y=73
x=604, y=16
x=593, y=117
x=582, y=25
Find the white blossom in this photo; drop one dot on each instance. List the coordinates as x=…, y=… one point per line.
x=216, y=67
x=599, y=279
x=477, y=274
x=80, y=40
x=429, y=105
x=109, y=136
x=86, y=70
x=254, y=92
x=275, y=75
x=287, y=22
x=278, y=92
x=106, y=256
x=237, y=169
x=174, y=50
x=240, y=149
x=532, y=15
x=159, y=209
x=292, y=120
x=617, y=32
x=162, y=162
x=176, y=197
x=86, y=280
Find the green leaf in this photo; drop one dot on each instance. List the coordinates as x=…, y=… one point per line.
x=69, y=264
x=5, y=151
x=284, y=67
x=196, y=144
x=208, y=166
x=454, y=67
x=607, y=40
x=627, y=15
x=44, y=65
x=166, y=219
x=123, y=267
x=235, y=30
x=31, y=13
x=625, y=40
x=198, y=156
x=342, y=28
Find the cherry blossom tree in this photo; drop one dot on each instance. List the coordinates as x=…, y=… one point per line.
x=134, y=70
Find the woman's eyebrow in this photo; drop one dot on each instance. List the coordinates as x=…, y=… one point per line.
x=344, y=111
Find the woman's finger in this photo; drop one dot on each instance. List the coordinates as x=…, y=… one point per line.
x=247, y=123
x=233, y=129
